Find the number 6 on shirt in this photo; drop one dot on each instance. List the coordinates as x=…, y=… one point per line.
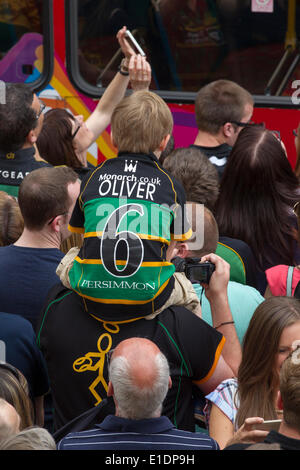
x=114, y=242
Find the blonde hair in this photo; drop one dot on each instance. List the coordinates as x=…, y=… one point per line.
x=140, y=122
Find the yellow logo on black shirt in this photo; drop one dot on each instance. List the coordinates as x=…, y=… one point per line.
x=10, y=156
x=95, y=361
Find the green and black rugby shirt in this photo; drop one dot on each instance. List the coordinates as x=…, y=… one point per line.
x=129, y=209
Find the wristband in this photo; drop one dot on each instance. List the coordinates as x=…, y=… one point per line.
x=123, y=67
x=122, y=72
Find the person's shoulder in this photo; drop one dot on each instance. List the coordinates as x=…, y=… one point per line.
x=239, y=446
x=177, y=184
x=14, y=318
x=179, y=312
x=226, y=389
x=6, y=252
x=6, y=248
x=183, y=319
x=227, y=384
x=237, y=245
x=247, y=292
x=16, y=323
x=279, y=269
x=196, y=438
x=40, y=164
x=218, y=150
x=59, y=292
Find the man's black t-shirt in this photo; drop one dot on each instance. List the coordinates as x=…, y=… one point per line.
x=218, y=156
x=75, y=343
x=14, y=166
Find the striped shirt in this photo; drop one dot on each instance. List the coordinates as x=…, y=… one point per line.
x=116, y=433
x=224, y=397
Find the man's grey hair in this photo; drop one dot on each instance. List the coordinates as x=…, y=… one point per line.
x=135, y=402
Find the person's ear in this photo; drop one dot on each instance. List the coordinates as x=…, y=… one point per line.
x=31, y=137
x=164, y=143
x=110, y=389
x=56, y=223
x=182, y=250
x=228, y=129
x=112, y=139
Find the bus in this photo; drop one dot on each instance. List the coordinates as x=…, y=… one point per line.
x=67, y=52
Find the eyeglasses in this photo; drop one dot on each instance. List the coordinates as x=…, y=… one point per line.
x=42, y=107
x=246, y=124
x=296, y=209
x=76, y=130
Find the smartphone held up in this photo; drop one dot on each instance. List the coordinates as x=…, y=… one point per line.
x=133, y=42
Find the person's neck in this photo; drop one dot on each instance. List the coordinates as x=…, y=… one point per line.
x=287, y=431
x=82, y=157
x=205, y=139
x=157, y=153
x=39, y=239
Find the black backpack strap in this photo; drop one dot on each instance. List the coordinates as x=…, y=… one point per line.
x=87, y=420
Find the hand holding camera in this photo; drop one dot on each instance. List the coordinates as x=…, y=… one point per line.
x=219, y=279
x=194, y=270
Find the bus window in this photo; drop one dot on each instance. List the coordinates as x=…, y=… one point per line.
x=98, y=24
x=190, y=43
x=21, y=40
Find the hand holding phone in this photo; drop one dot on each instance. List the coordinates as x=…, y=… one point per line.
x=134, y=43
x=269, y=425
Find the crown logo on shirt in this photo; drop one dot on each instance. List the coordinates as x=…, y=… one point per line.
x=10, y=156
x=130, y=166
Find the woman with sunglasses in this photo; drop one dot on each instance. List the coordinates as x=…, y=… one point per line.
x=255, y=204
x=65, y=139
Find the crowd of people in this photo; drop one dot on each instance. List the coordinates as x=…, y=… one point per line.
x=172, y=319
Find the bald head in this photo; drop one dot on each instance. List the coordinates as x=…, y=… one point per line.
x=141, y=356
x=9, y=420
x=139, y=378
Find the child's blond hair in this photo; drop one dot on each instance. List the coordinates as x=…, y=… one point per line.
x=140, y=122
